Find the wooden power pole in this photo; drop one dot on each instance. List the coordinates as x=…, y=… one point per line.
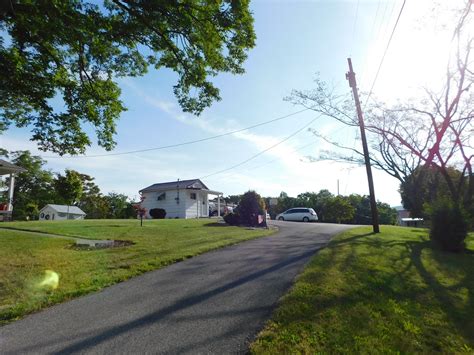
x=350, y=75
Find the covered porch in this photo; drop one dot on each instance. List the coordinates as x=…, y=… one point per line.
x=219, y=195
x=7, y=171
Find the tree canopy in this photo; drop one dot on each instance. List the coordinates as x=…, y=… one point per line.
x=353, y=209
x=36, y=187
x=70, y=54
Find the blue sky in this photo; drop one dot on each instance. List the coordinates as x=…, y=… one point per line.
x=295, y=40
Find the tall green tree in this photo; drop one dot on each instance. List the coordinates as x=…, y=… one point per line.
x=75, y=50
x=69, y=187
x=339, y=210
x=119, y=206
x=285, y=202
x=91, y=201
x=424, y=187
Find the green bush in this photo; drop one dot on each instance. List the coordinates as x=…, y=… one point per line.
x=250, y=206
x=232, y=219
x=449, y=226
x=158, y=213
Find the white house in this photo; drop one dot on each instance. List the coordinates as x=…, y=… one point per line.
x=52, y=212
x=180, y=199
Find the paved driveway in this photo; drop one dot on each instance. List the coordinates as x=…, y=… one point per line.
x=212, y=303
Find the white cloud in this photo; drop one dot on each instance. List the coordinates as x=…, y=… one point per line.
x=296, y=175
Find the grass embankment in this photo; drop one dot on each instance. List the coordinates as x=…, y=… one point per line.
x=385, y=293
x=24, y=258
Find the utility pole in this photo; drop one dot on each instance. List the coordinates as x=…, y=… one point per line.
x=337, y=187
x=350, y=75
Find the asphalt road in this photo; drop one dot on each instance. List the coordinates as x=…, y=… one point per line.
x=212, y=303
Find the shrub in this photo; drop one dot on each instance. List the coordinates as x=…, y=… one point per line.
x=449, y=226
x=232, y=219
x=158, y=213
x=250, y=206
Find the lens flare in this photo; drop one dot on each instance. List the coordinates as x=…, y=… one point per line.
x=50, y=280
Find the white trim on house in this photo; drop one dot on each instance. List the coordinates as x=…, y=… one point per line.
x=10, y=169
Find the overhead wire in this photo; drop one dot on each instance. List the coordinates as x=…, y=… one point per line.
x=182, y=143
x=374, y=36
x=263, y=151
x=385, y=52
x=354, y=27
x=274, y=160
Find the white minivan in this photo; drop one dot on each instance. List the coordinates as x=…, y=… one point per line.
x=298, y=214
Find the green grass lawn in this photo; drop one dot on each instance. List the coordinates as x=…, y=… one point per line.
x=386, y=293
x=24, y=258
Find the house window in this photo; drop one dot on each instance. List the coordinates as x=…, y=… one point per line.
x=193, y=196
x=42, y=215
x=60, y=214
x=162, y=196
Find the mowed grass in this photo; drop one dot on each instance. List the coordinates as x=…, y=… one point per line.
x=385, y=293
x=24, y=258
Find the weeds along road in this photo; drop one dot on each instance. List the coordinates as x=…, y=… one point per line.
x=212, y=303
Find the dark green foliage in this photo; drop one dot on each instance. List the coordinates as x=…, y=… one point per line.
x=37, y=187
x=387, y=214
x=425, y=186
x=338, y=210
x=232, y=219
x=73, y=51
x=33, y=188
x=68, y=187
x=354, y=209
x=449, y=226
x=91, y=201
x=118, y=206
x=158, y=213
x=363, y=215
x=251, y=205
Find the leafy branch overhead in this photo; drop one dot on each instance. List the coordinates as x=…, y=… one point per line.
x=69, y=54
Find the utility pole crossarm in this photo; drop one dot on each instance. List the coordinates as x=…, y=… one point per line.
x=350, y=76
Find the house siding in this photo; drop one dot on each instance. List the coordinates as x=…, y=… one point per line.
x=187, y=208
x=196, y=208
x=169, y=204
x=57, y=215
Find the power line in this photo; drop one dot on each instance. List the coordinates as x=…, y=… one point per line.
x=279, y=158
x=365, y=61
x=182, y=143
x=355, y=24
x=385, y=52
x=263, y=151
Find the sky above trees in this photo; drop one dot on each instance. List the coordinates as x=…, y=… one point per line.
x=295, y=40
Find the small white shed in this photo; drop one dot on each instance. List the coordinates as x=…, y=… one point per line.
x=52, y=212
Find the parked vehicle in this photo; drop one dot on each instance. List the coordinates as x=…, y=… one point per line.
x=298, y=214
x=224, y=209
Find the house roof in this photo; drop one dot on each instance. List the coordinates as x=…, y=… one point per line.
x=195, y=184
x=8, y=168
x=64, y=209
